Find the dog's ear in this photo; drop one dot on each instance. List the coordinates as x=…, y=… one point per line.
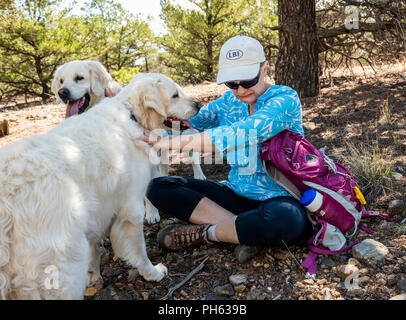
x=151, y=99
x=99, y=78
x=161, y=96
x=55, y=85
x=144, y=93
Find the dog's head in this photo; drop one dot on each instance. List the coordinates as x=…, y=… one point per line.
x=159, y=103
x=80, y=84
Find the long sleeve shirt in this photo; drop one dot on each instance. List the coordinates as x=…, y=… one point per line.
x=238, y=136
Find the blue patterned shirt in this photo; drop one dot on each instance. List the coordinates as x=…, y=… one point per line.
x=238, y=136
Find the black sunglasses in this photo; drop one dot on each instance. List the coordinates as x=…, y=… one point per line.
x=245, y=83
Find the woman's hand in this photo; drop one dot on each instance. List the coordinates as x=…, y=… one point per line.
x=200, y=142
x=149, y=137
x=108, y=92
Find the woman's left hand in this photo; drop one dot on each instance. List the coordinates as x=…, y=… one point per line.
x=149, y=137
x=152, y=139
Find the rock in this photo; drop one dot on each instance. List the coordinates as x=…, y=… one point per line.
x=400, y=169
x=370, y=251
x=321, y=282
x=397, y=176
x=396, y=207
x=109, y=272
x=363, y=280
x=91, y=291
x=355, y=292
x=344, y=271
x=341, y=285
x=226, y=290
x=364, y=271
x=237, y=279
x=244, y=253
x=240, y=288
x=228, y=266
x=327, y=262
x=255, y=294
x=309, y=125
x=106, y=294
x=402, y=285
x=308, y=281
x=280, y=254
x=399, y=297
x=354, y=262
x=392, y=279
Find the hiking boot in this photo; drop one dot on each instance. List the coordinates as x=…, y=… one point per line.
x=244, y=253
x=179, y=236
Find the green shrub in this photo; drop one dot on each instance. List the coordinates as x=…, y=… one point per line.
x=125, y=74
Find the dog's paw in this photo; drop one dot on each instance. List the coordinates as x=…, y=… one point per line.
x=152, y=216
x=157, y=273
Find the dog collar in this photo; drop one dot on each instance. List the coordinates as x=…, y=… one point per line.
x=133, y=117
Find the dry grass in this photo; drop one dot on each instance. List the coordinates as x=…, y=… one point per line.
x=385, y=113
x=370, y=168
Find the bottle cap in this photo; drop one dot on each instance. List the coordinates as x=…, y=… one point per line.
x=308, y=196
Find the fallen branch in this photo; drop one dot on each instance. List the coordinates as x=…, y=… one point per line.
x=294, y=258
x=187, y=278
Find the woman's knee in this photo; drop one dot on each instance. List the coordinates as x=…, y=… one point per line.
x=286, y=217
x=157, y=185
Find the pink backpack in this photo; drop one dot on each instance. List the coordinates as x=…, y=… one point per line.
x=327, y=190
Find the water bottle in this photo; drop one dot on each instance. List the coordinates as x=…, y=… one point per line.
x=311, y=199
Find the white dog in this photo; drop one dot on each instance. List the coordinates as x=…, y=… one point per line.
x=81, y=84
x=63, y=191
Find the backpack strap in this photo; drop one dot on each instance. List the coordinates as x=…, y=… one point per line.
x=310, y=263
x=366, y=214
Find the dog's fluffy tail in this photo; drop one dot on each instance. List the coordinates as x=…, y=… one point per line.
x=5, y=226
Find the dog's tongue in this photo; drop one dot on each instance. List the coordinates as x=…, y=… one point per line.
x=183, y=123
x=72, y=109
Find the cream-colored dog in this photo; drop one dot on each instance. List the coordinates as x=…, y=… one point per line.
x=63, y=191
x=80, y=84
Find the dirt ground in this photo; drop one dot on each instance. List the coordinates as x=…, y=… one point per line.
x=367, y=110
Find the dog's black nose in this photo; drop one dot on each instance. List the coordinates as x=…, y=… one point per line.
x=63, y=93
x=197, y=104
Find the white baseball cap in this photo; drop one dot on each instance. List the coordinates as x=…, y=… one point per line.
x=240, y=58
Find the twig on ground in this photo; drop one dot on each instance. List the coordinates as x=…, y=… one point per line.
x=187, y=278
x=294, y=258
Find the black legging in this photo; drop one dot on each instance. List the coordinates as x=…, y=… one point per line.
x=258, y=222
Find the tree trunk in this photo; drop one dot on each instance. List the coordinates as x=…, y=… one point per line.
x=297, y=62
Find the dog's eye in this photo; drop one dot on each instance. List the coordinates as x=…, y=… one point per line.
x=176, y=95
x=78, y=78
x=61, y=81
